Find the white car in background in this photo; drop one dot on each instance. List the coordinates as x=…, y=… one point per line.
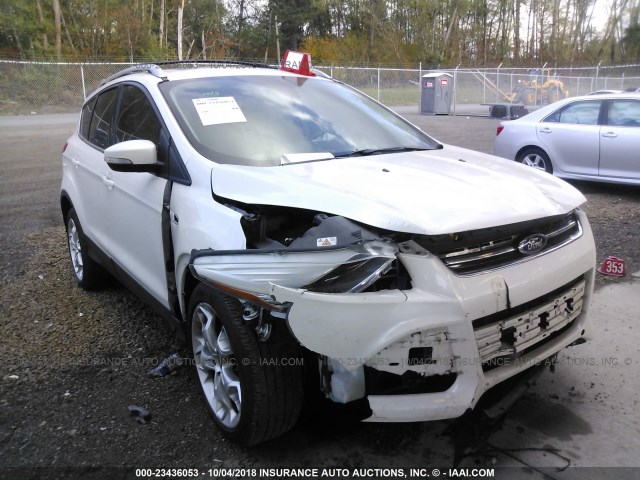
x=595, y=137
x=310, y=242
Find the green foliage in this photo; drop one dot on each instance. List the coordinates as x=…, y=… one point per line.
x=400, y=32
x=632, y=41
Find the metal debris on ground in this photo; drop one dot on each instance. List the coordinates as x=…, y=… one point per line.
x=142, y=414
x=168, y=366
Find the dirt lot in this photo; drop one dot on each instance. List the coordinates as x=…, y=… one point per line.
x=73, y=361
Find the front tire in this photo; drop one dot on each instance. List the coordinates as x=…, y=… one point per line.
x=536, y=158
x=88, y=273
x=253, y=388
x=529, y=96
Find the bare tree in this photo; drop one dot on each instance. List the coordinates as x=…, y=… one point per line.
x=45, y=40
x=161, y=20
x=180, y=15
x=58, y=26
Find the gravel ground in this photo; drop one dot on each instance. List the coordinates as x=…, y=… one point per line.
x=73, y=361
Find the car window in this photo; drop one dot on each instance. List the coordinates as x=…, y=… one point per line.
x=136, y=118
x=256, y=119
x=85, y=119
x=100, y=129
x=624, y=113
x=581, y=113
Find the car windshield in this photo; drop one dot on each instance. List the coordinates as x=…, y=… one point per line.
x=266, y=120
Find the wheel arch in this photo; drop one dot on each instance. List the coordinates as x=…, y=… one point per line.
x=189, y=284
x=549, y=164
x=529, y=147
x=65, y=204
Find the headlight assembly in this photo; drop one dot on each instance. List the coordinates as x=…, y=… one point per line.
x=358, y=275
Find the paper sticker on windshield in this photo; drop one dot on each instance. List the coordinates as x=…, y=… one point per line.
x=218, y=110
x=327, y=241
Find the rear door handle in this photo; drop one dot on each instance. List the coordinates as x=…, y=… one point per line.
x=108, y=182
x=76, y=162
x=545, y=130
x=609, y=135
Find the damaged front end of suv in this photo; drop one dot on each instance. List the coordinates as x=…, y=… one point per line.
x=413, y=326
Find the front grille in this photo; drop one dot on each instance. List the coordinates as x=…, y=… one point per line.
x=478, y=251
x=531, y=328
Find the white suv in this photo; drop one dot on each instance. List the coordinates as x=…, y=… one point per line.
x=309, y=242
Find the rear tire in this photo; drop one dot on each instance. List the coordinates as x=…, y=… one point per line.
x=89, y=274
x=536, y=158
x=253, y=388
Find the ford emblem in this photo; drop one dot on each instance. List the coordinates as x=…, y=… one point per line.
x=532, y=244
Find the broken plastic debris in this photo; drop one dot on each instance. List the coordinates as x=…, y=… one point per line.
x=142, y=414
x=612, y=266
x=13, y=377
x=168, y=366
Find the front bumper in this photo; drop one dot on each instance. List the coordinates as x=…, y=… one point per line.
x=360, y=329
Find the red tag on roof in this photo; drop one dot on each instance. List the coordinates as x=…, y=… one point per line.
x=297, y=62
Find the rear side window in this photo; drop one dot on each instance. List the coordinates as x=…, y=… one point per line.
x=100, y=129
x=579, y=113
x=624, y=113
x=136, y=118
x=85, y=119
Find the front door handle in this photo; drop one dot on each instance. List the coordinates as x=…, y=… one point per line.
x=108, y=182
x=609, y=135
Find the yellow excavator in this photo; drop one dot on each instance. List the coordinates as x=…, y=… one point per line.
x=540, y=89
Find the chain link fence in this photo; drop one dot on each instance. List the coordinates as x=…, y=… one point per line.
x=391, y=86
x=49, y=87
x=61, y=87
x=534, y=87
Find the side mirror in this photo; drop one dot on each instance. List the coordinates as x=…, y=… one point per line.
x=133, y=156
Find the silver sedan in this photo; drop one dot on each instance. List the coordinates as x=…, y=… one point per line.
x=584, y=138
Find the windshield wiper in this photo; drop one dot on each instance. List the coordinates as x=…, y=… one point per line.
x=380, y=151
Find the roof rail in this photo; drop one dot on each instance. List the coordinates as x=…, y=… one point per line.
x=320, y=73
x=196, y=62
x=155, y=69
x=152, y=68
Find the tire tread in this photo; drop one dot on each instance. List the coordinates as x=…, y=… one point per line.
x=272, y=394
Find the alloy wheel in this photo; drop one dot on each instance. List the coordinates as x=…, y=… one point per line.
x=535, y=160
x=216, y=366
x=75, y=249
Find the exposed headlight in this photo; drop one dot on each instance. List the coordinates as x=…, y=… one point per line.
x=352, y=277
x=342, y=270
x=370, y=262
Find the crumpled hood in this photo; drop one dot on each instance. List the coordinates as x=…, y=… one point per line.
x=431, y=192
